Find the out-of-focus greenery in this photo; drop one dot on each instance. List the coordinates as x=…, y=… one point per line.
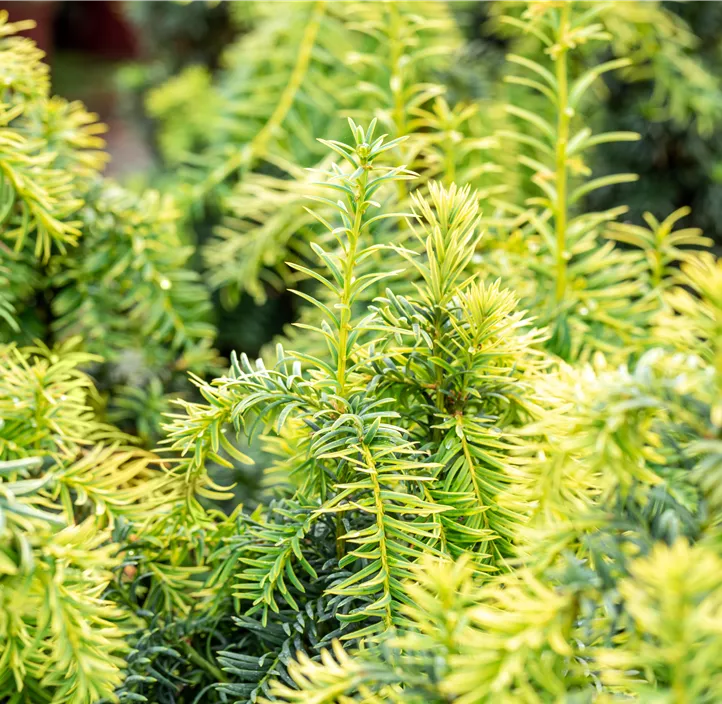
x=679, y=160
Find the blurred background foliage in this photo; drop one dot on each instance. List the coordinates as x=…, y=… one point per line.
x=674, y=100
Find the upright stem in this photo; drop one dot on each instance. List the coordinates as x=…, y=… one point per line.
x=563, y=119
x=439, y=377
x=344, y=328
x=285, y=103
x=197, y=659
x=398, y=85
x=482, y=547
x=380, y=522
x=256, y=149
x=348, y=269
x=397, y=71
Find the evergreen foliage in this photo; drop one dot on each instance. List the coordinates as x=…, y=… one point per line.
x=65, y=480
x=491, y=458
x=82, y=257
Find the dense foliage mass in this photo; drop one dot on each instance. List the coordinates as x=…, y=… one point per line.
x=491, y=455
x=82, y=257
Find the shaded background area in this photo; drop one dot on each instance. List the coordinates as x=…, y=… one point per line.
x=107, y=54
x=87, y=44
